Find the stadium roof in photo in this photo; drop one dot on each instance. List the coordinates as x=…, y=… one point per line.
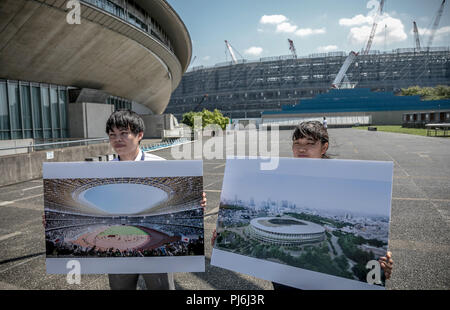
x=286, y=225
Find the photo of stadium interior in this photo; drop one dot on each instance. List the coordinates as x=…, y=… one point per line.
x=173, y=227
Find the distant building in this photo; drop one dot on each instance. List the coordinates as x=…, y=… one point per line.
x=339, y=105
x=248, y=88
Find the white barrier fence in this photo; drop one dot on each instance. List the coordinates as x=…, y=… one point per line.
x=331, y=121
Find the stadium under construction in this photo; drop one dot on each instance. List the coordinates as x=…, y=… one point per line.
x=247, y=89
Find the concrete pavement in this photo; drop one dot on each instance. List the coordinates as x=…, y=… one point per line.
x=419, y=231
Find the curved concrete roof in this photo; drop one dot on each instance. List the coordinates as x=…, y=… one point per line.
x=302, y=227
x=173, y=26
x=103, y=52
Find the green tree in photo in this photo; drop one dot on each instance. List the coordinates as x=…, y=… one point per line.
x=360, y=271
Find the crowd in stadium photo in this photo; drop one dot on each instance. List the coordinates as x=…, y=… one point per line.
x=178, y=248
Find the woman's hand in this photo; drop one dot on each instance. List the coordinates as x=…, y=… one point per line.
x=214, y=237
x=386, y=264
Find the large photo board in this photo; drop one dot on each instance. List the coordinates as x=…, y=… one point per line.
x=124, y=217
x=309, y=224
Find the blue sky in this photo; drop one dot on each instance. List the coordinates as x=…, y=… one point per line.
x=351, y=185
x=320, y=193
x=260, y=28
x=123, y=198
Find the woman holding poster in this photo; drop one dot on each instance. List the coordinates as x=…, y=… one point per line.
x=310, y=140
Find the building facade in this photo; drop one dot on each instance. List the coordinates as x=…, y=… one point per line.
x=127, y=52
x=246, y=89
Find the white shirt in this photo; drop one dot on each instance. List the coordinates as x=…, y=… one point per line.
x=147, y=156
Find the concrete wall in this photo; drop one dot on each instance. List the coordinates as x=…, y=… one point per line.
x=88, y=120
x=140, y=109
x=22, y=167
x=15, y=143
x=155, y=124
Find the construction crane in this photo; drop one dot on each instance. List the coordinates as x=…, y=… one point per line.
x=337, y=83
x=201, y=101
x=374, y=28
x=292, y=48
x=435, y=24
x=230, y=49
x=416, y=36
x=193, y=60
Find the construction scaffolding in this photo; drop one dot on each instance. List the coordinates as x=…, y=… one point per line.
x=247, y=88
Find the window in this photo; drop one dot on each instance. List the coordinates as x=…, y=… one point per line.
x=62, y=112
x=47, y=126
x=54, y=112
x=26, y=111
x=14, y=108
x=4, y=114
x=29, y=111
x=37, y=111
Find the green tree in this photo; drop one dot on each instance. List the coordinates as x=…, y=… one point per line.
x=427, y=93
x=208, y=118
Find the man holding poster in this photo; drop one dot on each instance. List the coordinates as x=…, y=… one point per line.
x=311, y=232
x=127, y=217
x=125, y=130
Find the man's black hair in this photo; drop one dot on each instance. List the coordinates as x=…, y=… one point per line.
x=125, y=119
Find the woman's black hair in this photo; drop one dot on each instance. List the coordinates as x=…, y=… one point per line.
x=313, y=130
x=125, y=119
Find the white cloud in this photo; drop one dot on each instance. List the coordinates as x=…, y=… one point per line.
x=439, y=34
x=443, y=31
x=254, y=51
x=273, y=19
x=328, y=48
x=283, y=25
x=356, y=20
x=206, y=58
x=286, y=27
x=303, y=32
x=359, y=34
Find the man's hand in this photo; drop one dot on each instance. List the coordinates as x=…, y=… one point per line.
x=203, y=202
x=386, y=264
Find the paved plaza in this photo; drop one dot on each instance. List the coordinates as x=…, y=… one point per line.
x=419, y=231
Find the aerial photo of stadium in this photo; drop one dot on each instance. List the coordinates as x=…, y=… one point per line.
x=104, y=217
x=285, y=231
x=296, y=226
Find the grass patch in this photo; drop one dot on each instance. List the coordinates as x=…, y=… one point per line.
x=123, y=231
x=397, y=129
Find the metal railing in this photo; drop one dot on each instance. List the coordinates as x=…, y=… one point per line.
x=163, y=144
x=53, y=145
